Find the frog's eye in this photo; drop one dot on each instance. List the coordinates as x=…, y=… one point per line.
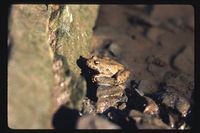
x=96, y=62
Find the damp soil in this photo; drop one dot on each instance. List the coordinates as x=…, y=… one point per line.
x=156, y=43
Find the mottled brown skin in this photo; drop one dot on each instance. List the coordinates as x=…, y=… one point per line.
x=107, y=67
x=104, y=91
x=110, y=79
x=109, y=96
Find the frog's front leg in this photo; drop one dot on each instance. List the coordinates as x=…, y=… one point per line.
x=122, y=76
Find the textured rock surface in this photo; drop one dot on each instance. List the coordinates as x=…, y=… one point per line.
x=156, y=43
x=95, y=122
x=32, y=30
x=29, y=70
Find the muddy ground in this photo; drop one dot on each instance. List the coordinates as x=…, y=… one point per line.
x=156, y=43
x=134, y=34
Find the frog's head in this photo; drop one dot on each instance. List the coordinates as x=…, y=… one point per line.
x=93, y=62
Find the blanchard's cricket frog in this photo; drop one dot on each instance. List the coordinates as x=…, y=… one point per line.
x=110, y=96
x=107, y=69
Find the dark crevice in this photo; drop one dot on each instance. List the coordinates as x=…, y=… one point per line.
x=65, y=118
x=87, y=73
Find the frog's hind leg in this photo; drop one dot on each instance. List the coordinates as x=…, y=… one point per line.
x=105, y=81
x=99, y=76
x=122, y=76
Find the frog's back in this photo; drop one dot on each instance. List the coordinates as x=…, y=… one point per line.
x=111, y=62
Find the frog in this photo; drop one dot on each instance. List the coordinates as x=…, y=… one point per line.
x=107, y=68
x=111, y=96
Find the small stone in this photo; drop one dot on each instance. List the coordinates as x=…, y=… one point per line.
x=151, y=122
x=95, y=122
x=122, y=106
x=151, y=108
x=171, y=98
x=183, y=83
x=88, y=107
x=183, y=106
x=135, y=115
x=172, y=121
x=183, y=126
x=147, y=121
x=115, y=49
x=147, y=86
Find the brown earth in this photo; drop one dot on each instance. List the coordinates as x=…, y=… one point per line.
x=149, y=40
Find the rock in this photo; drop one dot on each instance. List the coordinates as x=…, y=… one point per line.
x=39, y=33
x=95, y=122
x=122, y=106
x=171, y=98
x=183, y=106
x=147, y=86
x=183, y=83
x=146, y=121
x=115, y=49
x=88, y=106
x=185, y=60
x=151, y=108
x=30, y=77
x=136, y=115
x=150, y=122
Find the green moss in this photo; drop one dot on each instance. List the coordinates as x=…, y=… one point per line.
x=73, y=33
x=74, y=36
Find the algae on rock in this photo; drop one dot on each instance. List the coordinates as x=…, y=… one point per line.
x=37, y=34
x=70, y=31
